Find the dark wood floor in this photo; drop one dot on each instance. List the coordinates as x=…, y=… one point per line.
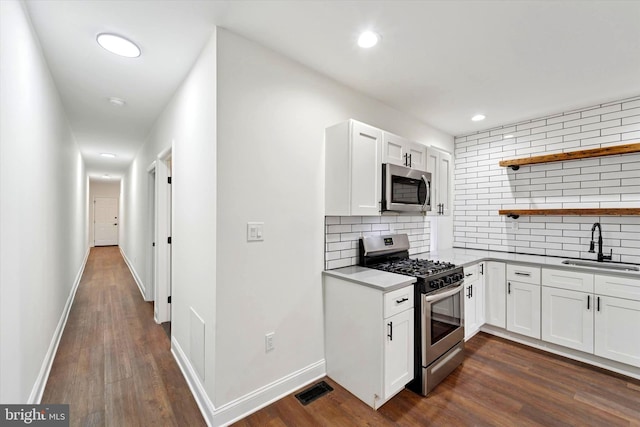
x=114, y=366
x=500, y=384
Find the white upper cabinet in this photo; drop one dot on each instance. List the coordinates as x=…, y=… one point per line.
x=402, y=152
x=440, y=165
x=353, y=169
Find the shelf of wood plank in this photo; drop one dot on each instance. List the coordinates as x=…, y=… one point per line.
x=572, y=155
x=515, y=213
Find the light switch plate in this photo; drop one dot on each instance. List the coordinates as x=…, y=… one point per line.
x=255, y=231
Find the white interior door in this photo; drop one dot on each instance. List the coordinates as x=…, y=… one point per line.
x=162, y=292
x=105, y=221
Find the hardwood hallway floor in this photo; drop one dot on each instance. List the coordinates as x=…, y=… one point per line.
x=500, y=383
x=114, y=365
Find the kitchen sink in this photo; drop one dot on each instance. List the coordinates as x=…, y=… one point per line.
x=603, y=265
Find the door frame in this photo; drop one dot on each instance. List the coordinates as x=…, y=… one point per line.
x=162, y=284
x=151, y=232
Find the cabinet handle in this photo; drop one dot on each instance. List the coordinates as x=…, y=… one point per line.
x=482, y=269
x=509, y=287
x=468, y=274
x=390, y=334
x=470, y=291
x=519, y=273
x=588, y=302
x=598, y=303
x=409, y=160
x=400, y=301
x=406, y=159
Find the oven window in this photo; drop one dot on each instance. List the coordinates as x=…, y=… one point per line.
x=408, y=191
x=445, y=317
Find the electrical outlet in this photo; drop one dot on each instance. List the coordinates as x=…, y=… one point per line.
x=268, y=342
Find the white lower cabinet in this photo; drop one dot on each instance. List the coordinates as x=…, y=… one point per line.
x=369, y=339
x=596, y=314
x=495, y=289
x=523, y=300
x=568, y=318
x=398, y=352
x=616, y=329
x=473, y=299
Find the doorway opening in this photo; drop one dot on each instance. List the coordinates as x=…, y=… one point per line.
x=163, y=220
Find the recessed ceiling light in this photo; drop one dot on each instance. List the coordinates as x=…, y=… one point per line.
x=106, y=176
x=118, y=45
x=368, y=39
x=118, y=102
x=507, y=136
x=110, y=155
x=478, y=117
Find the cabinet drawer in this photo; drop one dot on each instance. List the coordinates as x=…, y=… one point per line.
x=471, y=273
x=621, y=287
x=570, y=280
x=523, y=274
x=398, y=301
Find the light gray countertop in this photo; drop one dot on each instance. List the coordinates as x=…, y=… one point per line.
x=381, y=280
x=466, y=257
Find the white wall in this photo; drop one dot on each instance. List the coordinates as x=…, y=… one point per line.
x=100, y=188
x=483, y=187
x=272, y=113
x=43, y=210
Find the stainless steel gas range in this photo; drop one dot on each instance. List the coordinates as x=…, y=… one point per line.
x=438, y=296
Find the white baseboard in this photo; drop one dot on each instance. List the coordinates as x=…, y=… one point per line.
x=43, y=376
x=251, y=402
x=134, y=273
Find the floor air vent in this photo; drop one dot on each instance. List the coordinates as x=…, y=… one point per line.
x=312, y=393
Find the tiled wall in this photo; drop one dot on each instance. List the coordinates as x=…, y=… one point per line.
x=482, y=187
x=342, y=234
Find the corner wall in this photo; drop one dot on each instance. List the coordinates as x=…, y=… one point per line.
x=272, y=113
x=482, y=187
x=43, y=211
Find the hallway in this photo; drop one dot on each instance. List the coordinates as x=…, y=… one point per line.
x=114, y=365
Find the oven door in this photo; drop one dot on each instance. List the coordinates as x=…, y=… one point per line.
x=405, y=189
x=442, y=322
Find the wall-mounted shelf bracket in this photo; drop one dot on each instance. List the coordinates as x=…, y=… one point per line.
x=514, y=167
x=514, y=216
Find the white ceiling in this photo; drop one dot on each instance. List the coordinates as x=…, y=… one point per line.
x=440, y=61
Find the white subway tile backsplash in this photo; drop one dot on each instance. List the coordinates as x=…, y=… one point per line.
x=482, y=187
x=343, y=233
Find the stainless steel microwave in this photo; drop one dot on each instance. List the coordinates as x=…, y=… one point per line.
x=405, y=189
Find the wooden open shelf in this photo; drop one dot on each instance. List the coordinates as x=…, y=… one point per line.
x=515, y=213
x=572, y=155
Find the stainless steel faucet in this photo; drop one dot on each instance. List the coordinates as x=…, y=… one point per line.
x=601, y=256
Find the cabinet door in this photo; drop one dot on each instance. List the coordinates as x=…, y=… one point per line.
x=443, y=182
x=495, y=287
x=523, y=309
x=473, y=307
x=440, y=165
x=366, y=170
x=567, y=318
x=417, y=156
x=394, y=149
x=398, y=352
x=616, y=324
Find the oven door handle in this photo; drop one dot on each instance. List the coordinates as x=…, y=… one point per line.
x=443, y=295
x=427, y=200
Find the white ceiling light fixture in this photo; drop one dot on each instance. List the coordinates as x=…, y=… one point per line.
x=478, y=117
x=106, y=176
x=118, y=102
x=507, y=136
x=109, y=155
x=118, y=45
x=368, y=39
